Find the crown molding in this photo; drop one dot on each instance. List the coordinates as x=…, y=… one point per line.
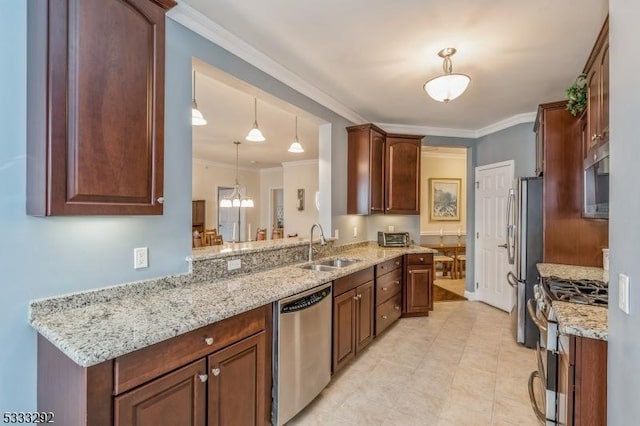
x=215, y=33
x=448, y=155
x=527, y=117
x=409, y=129
x=299, y=163
x=271, y=169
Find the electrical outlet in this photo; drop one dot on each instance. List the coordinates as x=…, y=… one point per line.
x=140, y=257
x=391, y=228
x=355, y=231
x=234, y=264
x=623, y=293
x=336, y=234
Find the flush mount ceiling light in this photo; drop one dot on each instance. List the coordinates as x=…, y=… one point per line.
x=236, y=199
x=295, y=145
x=255, y=135
x=196, y=116
x=448, y=86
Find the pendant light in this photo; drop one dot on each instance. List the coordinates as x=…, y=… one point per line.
x=255, y=135
x=196, y=116
x=295, y=145
x=236, y=199
x=448, y=86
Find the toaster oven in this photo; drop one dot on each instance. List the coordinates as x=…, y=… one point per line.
x=394, y=239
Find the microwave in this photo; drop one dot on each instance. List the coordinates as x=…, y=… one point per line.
x=596, y=183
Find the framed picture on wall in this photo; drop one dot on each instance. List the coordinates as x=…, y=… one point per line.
x=444, y=199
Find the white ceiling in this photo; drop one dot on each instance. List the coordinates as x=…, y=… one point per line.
x=372, y=56
x=227, y=105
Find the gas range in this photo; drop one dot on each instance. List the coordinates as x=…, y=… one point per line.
x=584, y=291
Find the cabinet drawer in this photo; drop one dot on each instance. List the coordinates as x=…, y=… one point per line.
x=352, y=281
x=388, y=312
x=388, y=285
x=420, y=259
x=388, y=266
x=148, y=363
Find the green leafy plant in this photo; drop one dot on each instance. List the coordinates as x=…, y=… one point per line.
x=577, y=94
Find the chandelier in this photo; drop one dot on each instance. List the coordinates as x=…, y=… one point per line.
x=236, y=199
x=448, y=86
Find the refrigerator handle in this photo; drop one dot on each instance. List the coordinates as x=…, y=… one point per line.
x=511, y=226
x=512, y=280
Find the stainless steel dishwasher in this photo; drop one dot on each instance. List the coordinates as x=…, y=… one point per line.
x=301, y=350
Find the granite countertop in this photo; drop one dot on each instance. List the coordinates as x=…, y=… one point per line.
x=581, y=320
x=574, y=318
x=227, y=248
x=92, y=327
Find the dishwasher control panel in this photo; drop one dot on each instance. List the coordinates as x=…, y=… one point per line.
x=306, y=301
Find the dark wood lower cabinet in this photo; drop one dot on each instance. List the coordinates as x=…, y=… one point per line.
x=237, y=377
x=582, y=381
x=177, y=398
x=353, y=316
x=418, y=298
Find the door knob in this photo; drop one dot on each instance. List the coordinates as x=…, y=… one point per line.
x=502, y=245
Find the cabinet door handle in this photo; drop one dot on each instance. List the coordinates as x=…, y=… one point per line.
x=215, y=371
x=422, y=259
x=208, y=341
x=160, y=200
x=594, y=138
x=384, y=317
x=396, y=307
x=359, y=296
x=384, y=289
x=355, y=298
x=397, y=262
x=411, y=272
x=397, y=282
x=203, y=377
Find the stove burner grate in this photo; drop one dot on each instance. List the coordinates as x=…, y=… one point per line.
x=588, y=292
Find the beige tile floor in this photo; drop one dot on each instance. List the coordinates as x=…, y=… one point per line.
x=459, y=366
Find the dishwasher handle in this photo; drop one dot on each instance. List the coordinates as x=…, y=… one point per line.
x=305, y=302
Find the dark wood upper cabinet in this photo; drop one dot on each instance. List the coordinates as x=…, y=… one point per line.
x=365, y=175
x=383, y=172
x=402, y=177
x=597, y=71
x=96, y=106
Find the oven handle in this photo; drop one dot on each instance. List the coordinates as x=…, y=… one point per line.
x=534, y=317
x=512, y=280
x=532, y=397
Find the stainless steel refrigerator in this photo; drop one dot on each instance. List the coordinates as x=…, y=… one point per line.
x=524, y=246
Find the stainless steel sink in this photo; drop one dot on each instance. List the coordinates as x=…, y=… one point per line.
x=338, y=263
x=318, y=267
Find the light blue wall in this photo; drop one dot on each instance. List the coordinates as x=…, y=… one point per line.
x=624, y=228
x=516, y=143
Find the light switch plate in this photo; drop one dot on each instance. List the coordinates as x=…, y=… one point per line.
x=623, y=293
x=234, y=264
x=336, y=234
x=355, y=231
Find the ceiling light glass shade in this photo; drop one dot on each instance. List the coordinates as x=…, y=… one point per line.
x=255, y=135
x=296, y=147
x=236, y=199
x=447, y=87
x=196, y=116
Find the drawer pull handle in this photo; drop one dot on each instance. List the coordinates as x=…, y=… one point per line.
x=422, y=259
x=384, y=289
x=397, y=282
x=203, y=377
x=397, y=308
x=397, y=262
x=208, y=341
x=384, y=317
x=215, y=371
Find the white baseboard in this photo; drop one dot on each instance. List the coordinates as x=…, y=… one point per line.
x=470, y=295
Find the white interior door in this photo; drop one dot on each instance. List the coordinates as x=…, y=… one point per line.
x=493, y=183
x=227, y=216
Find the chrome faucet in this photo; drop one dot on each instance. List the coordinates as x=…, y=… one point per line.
x=322, y=240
